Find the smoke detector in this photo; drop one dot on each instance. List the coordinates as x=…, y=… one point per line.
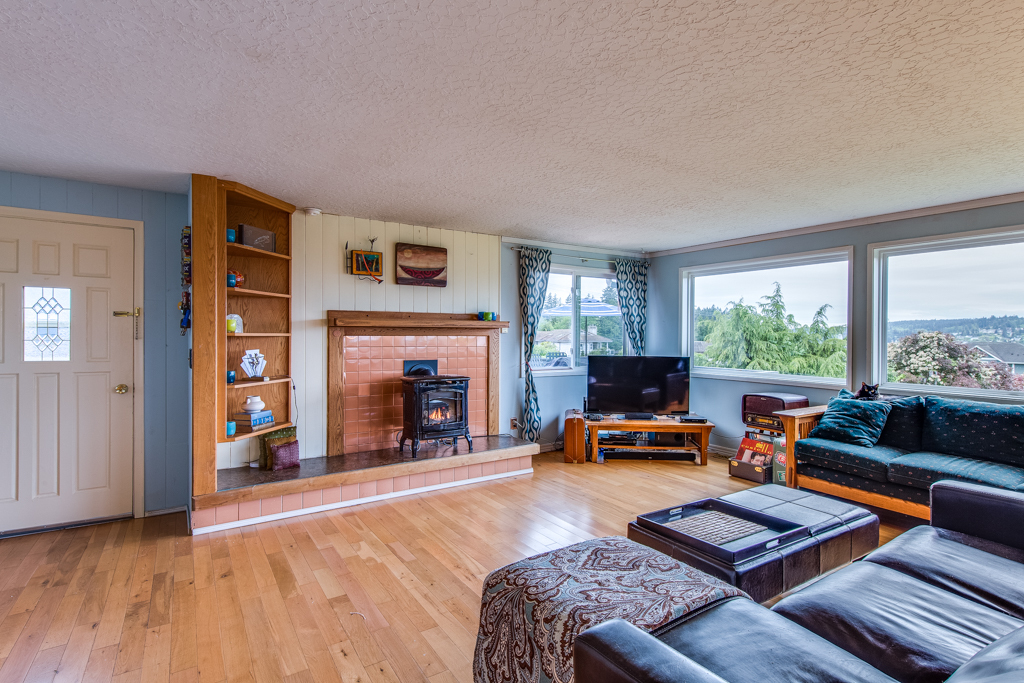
x=312, y=211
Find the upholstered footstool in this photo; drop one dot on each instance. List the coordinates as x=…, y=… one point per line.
x=533, y=610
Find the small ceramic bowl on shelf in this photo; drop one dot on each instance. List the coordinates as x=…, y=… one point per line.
x=253, y=404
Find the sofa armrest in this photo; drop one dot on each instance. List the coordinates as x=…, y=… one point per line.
x=986, y=512
x=797, y=424
x=619, y=652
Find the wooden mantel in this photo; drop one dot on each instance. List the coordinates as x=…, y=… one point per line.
x=385, y=323
x=415, y=320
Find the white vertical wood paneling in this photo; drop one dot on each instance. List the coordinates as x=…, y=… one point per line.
x=377, y=291
x=362, y=241
x=494, y=273
x=433, y=293
x=8, y=436
x=346, y=282
x=320, y=283
x=314, y=339
x=392, y=292
x=407, y=294
x=471, y=274
x=447, y=293
x=299, y=249
x=458, y=264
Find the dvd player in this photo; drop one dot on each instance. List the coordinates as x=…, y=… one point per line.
x=692, y=419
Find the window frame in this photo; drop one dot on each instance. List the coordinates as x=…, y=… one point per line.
x=687, y=274
x=576, y=272
x=878, y=265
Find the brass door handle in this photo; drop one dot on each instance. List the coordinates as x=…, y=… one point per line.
x=121, y=389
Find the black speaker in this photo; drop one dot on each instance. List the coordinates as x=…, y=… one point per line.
x=670, y=439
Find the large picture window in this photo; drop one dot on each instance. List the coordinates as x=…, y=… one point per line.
x=780, y=320
x=950, y=315
x=581, y=318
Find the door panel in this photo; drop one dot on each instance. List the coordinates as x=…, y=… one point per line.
x=65, y=436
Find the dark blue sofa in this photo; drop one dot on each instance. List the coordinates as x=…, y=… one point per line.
x=926, y=439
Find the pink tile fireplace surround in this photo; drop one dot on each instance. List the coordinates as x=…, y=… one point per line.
x=373, y=382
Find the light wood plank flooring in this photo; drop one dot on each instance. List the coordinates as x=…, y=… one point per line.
x=377, y=593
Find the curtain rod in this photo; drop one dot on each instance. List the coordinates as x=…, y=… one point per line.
x=581, y=258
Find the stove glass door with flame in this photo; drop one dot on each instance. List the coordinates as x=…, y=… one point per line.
x=443, y=408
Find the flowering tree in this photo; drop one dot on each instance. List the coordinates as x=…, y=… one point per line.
x=938, y=358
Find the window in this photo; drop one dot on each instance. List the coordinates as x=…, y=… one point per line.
x=949, y=314
x=47, y=315
x=581, y=318
x=781, y=320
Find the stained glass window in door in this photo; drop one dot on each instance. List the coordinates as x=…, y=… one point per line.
x=47, y=312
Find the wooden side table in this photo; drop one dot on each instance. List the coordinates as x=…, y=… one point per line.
x=701, y=430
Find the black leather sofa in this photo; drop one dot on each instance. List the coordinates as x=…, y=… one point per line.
x=939, y=603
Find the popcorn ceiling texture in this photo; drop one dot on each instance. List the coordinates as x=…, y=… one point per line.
x=649, y=125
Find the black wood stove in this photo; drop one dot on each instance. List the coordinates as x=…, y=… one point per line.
x=434, y=407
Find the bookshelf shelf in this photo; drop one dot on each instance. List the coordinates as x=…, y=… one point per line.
x=243, y=437
x=252, y=252
x=235, y=291
x=242, y=384
x=258, y=334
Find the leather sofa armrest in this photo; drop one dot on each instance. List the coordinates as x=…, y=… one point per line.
x=619, y=652
x=986, y=512
x=797, y=423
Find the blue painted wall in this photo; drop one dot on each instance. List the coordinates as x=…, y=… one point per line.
x=720, y=399
x=166, y=351
x=556, y=393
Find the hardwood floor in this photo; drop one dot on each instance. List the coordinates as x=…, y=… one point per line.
x=376, y=593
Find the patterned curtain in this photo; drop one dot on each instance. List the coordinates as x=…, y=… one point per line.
x=631, y=277
x=534, y=267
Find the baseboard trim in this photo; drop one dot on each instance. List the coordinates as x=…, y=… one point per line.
x=166, y=511
x=867, y=497
x=548, y=447
x=349, y=503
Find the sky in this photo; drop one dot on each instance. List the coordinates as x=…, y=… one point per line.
x=966, y=283
x=804, y=289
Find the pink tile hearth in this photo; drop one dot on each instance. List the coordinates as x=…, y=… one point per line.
x=373, y=383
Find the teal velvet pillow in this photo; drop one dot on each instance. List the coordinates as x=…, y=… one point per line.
x=851, y=421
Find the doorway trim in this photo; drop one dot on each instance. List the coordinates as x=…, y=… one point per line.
x=138, y=374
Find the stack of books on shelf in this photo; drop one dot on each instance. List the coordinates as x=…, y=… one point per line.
x=247, y=423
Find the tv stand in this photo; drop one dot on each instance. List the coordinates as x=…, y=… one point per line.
x=701, y=432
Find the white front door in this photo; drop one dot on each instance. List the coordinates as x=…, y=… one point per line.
x=66, y=433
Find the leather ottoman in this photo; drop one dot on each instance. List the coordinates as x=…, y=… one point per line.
x=840, y=533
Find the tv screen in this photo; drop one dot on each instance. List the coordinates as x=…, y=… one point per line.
x=638, y=384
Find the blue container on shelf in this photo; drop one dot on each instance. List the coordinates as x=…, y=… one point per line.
x=231, y=234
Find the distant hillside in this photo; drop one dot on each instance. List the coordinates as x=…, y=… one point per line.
x=1004, y=328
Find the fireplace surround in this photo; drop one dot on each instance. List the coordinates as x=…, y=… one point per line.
x=366, y=351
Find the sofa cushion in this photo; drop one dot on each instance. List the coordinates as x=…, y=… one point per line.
x=742, y=641
x=922, y=469
x=852, y=421
x=984, y=572
x=870, y=463
x=1000, y=662
x=904, y=423
x=972, y=429
x=908, y=493
x=906, y=628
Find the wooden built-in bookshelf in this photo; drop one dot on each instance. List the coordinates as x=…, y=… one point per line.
x=263, y=301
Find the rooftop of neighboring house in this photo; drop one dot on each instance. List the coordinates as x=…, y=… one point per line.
x=565, y=336
x=1007, y=352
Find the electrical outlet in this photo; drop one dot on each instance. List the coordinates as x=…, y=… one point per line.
x=514, y=423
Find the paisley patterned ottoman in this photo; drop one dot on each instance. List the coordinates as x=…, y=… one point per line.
x=533, y=609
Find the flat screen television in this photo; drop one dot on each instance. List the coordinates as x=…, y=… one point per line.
x=638, y=384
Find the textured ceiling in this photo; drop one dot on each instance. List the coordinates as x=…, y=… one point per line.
x=646, y=125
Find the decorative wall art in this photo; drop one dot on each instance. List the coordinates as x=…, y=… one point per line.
x=367, y=263
x=420, y=265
